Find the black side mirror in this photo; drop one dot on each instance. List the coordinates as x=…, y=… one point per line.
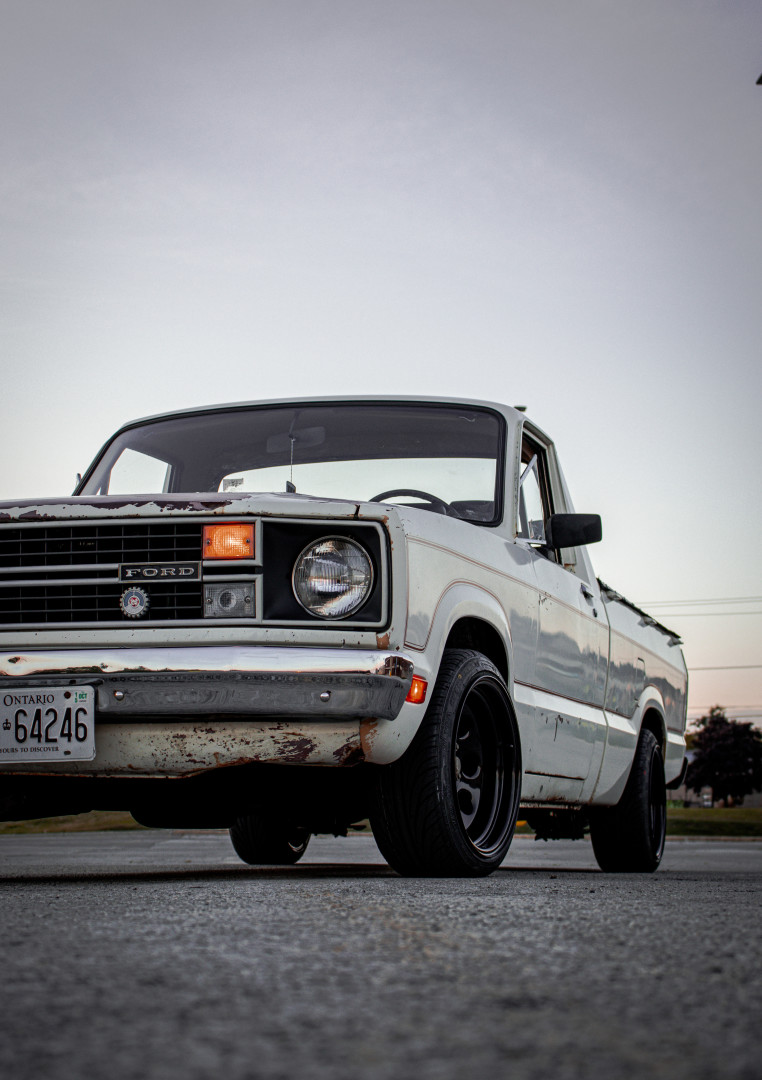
x=572, y=530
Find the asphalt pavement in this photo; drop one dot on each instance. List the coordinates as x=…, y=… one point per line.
x=160, y=954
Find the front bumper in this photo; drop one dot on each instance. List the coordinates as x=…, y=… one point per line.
x=225, y=681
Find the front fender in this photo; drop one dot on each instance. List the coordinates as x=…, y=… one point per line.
x=385, y=741
x=461, y=601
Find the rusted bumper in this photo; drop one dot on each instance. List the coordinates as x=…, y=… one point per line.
x=237, y=681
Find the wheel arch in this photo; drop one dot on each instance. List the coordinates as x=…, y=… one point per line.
x=469, y=617
x=465, y=617
x=653, y=721
x=470, y=632
x=649, y=715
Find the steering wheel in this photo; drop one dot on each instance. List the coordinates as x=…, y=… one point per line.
x=438, y=505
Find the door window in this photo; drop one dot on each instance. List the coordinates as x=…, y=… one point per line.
x=531, y=511
x=535, y=503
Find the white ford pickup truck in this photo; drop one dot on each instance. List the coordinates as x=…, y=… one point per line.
x=286, y=617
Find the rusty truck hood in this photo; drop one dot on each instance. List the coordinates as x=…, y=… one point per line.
x=227, y=505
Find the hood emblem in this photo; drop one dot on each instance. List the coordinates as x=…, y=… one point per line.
x=134, y=602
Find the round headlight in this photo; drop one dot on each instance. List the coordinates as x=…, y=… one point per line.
x=332, y=577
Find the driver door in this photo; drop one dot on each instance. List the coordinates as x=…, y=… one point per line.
x=568, y=682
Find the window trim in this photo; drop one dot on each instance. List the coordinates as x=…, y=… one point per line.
x=535, y=456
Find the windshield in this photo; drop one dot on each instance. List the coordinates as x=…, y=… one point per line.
x=445, y=457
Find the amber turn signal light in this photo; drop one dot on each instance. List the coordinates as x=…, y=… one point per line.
x=417, y=692
x=228, y=541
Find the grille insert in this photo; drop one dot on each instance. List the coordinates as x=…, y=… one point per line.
x=46, y=572
x=70, y=546
x=96, y=603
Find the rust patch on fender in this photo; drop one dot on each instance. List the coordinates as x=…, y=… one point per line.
x=368, y=733
x=296, y=749
x=349, y=754
x=382, y=641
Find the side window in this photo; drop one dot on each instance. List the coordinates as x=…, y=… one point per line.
x=535, y=504
x=531, y=514
x=134, y=473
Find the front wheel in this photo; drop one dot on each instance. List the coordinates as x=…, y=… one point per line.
x=448, y=807
x=629, y=837
x=261, y=842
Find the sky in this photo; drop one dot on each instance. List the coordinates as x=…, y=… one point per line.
x=536, y=202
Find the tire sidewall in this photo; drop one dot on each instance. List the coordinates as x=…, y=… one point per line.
x=630, y=837
x=654, y=779
x=448, y=700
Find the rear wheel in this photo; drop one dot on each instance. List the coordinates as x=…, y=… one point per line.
x=629, y=837
x=448, y=807
x=265, y=843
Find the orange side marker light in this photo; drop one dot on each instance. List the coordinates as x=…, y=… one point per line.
x=417, y=692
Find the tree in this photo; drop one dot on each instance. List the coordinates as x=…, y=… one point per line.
x=727, y=757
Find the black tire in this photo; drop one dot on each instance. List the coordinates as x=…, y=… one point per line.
x=264, y=843
x=448, y=807
x=629, y=838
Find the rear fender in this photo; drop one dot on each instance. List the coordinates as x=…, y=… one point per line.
x=622, y=738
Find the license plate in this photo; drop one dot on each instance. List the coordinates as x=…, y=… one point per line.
x=55, y=724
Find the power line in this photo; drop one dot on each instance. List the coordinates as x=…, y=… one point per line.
x=728, y=708
x=702, y=615
x=730, y=716
x=745, y=710
x=730, y=713
x=728, y=667
x=712, y=600
x=751, y=709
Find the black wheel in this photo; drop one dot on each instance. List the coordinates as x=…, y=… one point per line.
x=264, y=843
x=629, y=837
x=448, y=807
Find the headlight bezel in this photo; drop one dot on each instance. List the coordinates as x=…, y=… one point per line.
x=356, y=606
x=284, y=539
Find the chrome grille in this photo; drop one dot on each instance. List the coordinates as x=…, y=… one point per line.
x=70, y=546
x=64, y=574
x=27, y=605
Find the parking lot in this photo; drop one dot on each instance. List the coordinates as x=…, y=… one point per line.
x=161, y=954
